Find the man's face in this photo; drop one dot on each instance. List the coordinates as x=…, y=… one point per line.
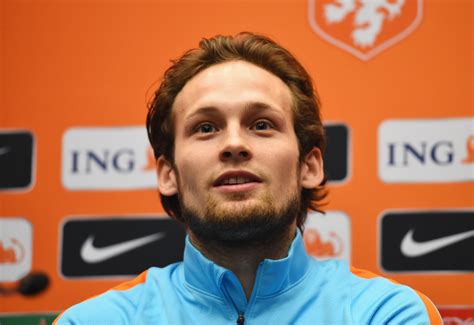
x=236, y=152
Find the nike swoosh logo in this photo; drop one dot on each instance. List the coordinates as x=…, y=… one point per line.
x=91, y=254
x=412, y=248
x=4, y=150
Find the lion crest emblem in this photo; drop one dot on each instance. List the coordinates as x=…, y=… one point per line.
x=364, y=27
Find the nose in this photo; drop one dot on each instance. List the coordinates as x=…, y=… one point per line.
x=235, y=147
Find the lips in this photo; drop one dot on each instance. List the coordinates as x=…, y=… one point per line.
x=234, y=178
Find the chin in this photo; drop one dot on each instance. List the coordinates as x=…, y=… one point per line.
x=243, y=208
x=242, y=223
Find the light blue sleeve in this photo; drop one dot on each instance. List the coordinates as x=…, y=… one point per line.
x=111, y=307
x=379, y=301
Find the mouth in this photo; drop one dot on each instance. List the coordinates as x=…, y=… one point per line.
x=236, y=181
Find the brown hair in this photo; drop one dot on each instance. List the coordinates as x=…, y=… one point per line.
x=263, y=52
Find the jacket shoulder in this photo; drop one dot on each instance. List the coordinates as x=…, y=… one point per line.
x=115, y=306
x=378, y=300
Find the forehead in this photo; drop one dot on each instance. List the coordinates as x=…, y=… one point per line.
x=232, y=85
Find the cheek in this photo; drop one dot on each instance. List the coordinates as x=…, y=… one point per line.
x=285, y=165
x=191, y=165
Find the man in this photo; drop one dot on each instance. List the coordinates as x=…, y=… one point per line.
x=236, y=130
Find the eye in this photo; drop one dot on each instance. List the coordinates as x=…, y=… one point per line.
x=262, y=125
x=205, y=128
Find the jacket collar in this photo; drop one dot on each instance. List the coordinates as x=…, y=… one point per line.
x=273, y=276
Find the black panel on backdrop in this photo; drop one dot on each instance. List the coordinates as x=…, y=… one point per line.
x=119, y=246
x=337, y=151
x=427, y=241
x=16, y=156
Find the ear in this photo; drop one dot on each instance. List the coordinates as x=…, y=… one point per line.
x=312, y=169
x=166, y=177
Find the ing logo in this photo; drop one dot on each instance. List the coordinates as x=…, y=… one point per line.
x=150, y=160
x=107, y=158
x=469, y=150
x=426, y=150
x=364, y=27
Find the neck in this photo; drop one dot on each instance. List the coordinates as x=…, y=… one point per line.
x=243, y=261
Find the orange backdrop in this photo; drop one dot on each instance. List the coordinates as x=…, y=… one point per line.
x=94, y=63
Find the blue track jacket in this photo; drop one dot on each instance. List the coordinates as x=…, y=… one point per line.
x=295, y=290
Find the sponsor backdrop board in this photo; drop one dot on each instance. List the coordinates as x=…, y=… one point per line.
x=15, y=248
x=395, y=80
x=17, y=160
x=427, y=241
x=101, y=247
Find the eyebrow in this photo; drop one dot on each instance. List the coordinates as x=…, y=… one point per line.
x=251, y=106
x=259, y=107
x=202, y=111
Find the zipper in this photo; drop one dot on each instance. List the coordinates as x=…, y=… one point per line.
x=240, y=314
x=241, y=319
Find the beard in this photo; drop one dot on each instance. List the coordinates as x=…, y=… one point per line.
x=245, y=226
